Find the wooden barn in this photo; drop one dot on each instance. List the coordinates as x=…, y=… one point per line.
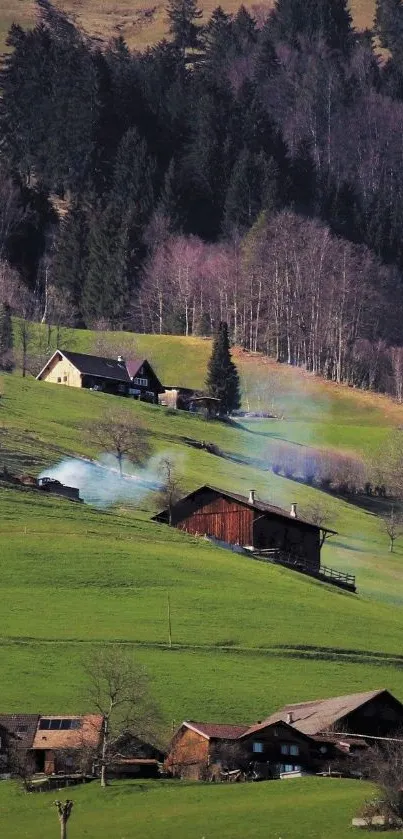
x=245, y=521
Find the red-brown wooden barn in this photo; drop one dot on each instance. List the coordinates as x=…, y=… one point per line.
x=245, y=521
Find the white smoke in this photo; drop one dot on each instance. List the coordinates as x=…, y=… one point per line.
x=100, y=483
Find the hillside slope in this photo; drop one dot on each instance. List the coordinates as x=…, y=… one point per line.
x=140, y=24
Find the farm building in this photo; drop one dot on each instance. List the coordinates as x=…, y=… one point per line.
x=131, y=377
x=307, y=737
x=245, y=521
x=55, y=745
x=59, y=740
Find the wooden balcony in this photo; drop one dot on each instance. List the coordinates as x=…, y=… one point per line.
x=328, y=575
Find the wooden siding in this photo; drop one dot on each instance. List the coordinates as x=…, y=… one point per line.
x=224, y=519
x=60, y=368
x=188, y=754
x=211, y=514
x=295, y=539
x=380, y=717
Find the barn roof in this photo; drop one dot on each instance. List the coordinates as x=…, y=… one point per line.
x=319, y=715
x=259, y=506
x=216, y=731
x=22, y=725
x=54, y=732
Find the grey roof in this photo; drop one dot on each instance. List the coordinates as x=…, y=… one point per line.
x=260, y=506
x=93, y=365
x=22, y=725
x=319, y=715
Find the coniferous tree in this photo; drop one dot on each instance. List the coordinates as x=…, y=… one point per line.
x=253, y=187
x=105, y=292
x=389, y=27
x=6, y=338
x=70, y=255
x=328, y=20
x=222, y=376
x=182, y=17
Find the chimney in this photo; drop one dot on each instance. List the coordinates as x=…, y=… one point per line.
x=251, y=496
x=289, y=718
x=120, y=358
x=293, y=511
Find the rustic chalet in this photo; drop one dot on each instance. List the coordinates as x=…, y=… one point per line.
x=247, y=522
x=307, y=737
x=126, y=377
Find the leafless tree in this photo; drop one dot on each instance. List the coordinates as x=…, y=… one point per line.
x=388, y=464
x=392, y=524
x=119, y=690
x=122, y=433
x=64, y=812
x=171, y=484
x=320, y=515
x=383, y=764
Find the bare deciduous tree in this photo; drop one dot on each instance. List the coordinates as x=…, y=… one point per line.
x=383, y=764
x=392, y=524
x=171, y=484
x=120, y=432
x=64, y=812
x=119, y=690
x=320, y=515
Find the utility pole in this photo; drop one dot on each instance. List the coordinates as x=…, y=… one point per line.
x=169, y=622
x=64, y=813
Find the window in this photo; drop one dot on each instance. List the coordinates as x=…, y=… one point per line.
x=138, y=380
x=257, y=748
x=65, y=378
x=289, y=749
x=59, y=380
x=290, y=767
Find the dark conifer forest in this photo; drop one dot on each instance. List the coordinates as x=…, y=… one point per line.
x=244, y=170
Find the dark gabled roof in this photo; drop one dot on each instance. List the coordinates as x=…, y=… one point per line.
x=259, y=506
x=93, y=365
x=216, y=731
x=319, y=715
x=22, y=725
x=105, y=368
x=267, y=724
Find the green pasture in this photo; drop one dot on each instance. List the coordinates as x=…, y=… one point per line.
x=310, y=807
x=246, y=636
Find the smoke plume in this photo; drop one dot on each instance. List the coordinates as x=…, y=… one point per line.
x=100, y=483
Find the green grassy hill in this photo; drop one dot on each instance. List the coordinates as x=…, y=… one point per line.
x=247, y=636
x=320, y=809
x=140, y=23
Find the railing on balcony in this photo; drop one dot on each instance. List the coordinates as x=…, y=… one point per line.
x=330, y=575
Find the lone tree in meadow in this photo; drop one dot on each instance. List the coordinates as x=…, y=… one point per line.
x=122, y=434
x=6, y=338
x=64, y=812
x=392, y=524
x=222, y=376
x=118, y=688
x=171, y=489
